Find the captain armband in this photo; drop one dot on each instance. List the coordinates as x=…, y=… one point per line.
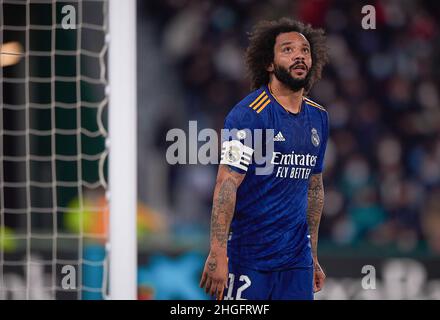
x=236, y=154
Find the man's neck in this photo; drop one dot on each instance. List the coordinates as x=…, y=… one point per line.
x=289, y=99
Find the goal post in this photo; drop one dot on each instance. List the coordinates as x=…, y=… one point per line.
x=68, y=182
x=122, y=145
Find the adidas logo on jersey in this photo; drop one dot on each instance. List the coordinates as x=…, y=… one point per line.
x=279, y=137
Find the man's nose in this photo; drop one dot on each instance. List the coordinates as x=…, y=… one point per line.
x=299, y=57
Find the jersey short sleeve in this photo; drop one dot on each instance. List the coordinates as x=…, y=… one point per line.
x=319, y=167
x=237, y=138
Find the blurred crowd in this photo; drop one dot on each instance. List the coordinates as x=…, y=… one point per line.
x=381, y=89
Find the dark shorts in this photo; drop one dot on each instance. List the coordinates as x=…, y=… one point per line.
x=248, y=284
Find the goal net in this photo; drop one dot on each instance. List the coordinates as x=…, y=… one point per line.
x=54, y=223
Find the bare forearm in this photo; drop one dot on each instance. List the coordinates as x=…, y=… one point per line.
x=225, y=194
x=222, y=212
x=314, y=210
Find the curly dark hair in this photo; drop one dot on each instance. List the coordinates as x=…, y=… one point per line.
x=260, y=52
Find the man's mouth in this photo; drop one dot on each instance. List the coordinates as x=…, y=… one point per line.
x=299, y=66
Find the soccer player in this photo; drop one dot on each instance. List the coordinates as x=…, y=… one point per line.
x=264, y=227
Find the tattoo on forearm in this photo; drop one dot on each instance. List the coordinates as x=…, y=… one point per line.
x=222, y=211
x=315, y=205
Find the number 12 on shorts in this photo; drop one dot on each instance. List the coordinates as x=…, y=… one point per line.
x=243, y=278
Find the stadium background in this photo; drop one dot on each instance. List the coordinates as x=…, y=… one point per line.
x=382, y=176
x=381, y=90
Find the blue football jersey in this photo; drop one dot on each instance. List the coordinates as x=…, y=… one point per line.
x=269, y=229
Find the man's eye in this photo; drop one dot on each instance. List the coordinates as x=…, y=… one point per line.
x=306, y=50
x=287, y=49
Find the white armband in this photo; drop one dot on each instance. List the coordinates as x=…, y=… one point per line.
x=236, y=154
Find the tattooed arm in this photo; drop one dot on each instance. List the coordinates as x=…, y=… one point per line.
x=215, y=274
x=315, y=197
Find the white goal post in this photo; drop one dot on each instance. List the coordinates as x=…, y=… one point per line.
x=67, y=121
x=122, y=145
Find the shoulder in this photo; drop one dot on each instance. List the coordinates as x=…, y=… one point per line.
x=317, y=110
x=314, y=105
x=250, y=108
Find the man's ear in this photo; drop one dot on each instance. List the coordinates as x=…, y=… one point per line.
x=270, y=67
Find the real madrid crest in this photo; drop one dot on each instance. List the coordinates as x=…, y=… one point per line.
x=315, y=137
x=233, y=154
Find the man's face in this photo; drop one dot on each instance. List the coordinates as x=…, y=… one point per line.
x=292, y=60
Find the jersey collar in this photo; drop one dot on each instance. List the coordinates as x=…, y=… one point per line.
x=301, y=107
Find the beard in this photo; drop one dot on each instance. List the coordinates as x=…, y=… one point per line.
x=295, y=84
